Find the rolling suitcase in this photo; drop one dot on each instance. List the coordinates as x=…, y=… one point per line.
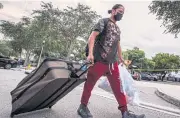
x=50, y=82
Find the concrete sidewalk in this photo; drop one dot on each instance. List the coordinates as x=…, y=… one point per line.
x=169, y=93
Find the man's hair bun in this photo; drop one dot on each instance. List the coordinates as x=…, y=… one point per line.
x=116, y=6
x=109, y=11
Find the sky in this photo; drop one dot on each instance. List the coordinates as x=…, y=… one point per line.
x=138, y=27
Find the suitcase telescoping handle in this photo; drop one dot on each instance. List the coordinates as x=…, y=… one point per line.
x=75, y=72
x=86, y=65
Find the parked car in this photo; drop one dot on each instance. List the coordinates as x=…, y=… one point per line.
x=177, y=77
x=159, y=76
x=7, y=63
x=146, y=76
x=21, y=61
x=155, y=77
x=171, y=76
x=136, y=76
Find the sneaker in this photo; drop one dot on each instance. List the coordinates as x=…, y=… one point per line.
x=127, y=114
x=84, y=112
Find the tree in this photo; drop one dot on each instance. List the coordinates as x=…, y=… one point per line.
x=136, y=56
x=1, y=5
x=14, y=32
x=21, y=36
x=6, y=49
x=62, y=28
x=148, y=64
x=169, y=12
x=166, y=61
x=78, y=52
x=46, y=21
x=77, y=23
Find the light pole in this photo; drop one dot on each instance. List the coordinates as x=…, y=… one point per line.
x=40, y=54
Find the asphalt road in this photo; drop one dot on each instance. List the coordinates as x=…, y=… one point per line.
x=101, y=107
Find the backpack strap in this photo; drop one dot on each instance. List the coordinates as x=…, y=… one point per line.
x=106, y=20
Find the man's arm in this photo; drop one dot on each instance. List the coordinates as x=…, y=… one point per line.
x=120, y=53
x=98, y=28
x=91, y=41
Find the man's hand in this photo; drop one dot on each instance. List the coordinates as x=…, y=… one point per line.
x=122, y=61
x=90, y=58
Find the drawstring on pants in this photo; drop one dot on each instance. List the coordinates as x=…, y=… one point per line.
x=110, y=68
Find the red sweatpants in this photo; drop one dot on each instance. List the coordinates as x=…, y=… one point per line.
x=94, y=73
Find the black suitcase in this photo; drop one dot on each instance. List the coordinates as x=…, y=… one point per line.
x=50, y=82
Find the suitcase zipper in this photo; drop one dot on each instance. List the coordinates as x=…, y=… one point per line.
x=55, y=93
x=26, y=80
x=49, y=69
x=35, y=73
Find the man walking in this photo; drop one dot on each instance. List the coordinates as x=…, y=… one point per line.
x=102, y=54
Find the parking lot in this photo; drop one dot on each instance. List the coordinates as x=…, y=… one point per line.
x=66, y=108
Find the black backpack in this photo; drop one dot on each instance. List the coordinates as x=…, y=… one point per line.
x=99, y=36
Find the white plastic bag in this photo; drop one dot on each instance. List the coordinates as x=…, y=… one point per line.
x=104, y=84
x=128, y=85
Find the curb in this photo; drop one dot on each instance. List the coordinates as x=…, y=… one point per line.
x=168, y=98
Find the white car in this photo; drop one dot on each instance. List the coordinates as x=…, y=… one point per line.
x=177, y=77
x=171, y=76
x=174, y=77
